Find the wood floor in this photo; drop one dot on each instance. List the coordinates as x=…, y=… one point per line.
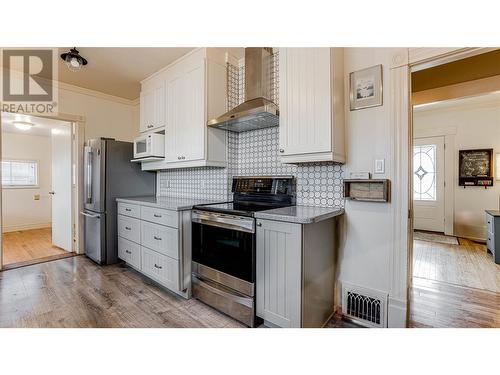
x=442, y=305
x=23, y=247
x=467, y=264
x=75, y=292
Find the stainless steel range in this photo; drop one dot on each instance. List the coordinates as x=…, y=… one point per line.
x=223, y=243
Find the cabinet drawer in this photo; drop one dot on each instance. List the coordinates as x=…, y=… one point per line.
x=131, y=210
x=164, y=240
x=490, y=223
x=130, y=252
x=159, y=216
x=161, y=268
x=129, y=228
x=490, y=241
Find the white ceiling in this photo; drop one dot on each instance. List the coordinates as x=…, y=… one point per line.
x=118, y=70
x=42, y=126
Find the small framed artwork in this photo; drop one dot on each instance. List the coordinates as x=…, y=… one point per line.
x=366, y=88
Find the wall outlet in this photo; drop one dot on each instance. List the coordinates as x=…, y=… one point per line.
x=379, y=166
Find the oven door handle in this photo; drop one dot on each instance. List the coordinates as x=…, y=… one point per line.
x=214, y=220
x=243, y=300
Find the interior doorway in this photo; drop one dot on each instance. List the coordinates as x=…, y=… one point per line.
x=37, y=190
x=455, y=278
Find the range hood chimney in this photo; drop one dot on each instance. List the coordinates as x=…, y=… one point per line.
x=258, y=111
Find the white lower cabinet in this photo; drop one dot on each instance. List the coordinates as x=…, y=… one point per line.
x=160, y=267
x=295, y=273
x=130, y=252
x=279, y=274
x=162, y=239
x=156, y=249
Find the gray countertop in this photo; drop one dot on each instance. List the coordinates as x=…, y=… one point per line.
x=300, y=214
x=167, y=203
x=493, y=212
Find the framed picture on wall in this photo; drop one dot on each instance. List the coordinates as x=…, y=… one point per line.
x=365, y=88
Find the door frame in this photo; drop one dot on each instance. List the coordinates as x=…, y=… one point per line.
x=78, y=135
x=405, y=61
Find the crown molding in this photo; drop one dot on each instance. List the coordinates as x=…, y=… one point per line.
x=97, y=94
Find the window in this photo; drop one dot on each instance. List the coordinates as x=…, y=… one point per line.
x=19, y=173
x=424, y=173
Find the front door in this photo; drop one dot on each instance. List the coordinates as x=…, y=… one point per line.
x=428, y=183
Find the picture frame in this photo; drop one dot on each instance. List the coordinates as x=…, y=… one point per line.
x=366, y=88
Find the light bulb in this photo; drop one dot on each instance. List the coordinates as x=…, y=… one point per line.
x=74, y=62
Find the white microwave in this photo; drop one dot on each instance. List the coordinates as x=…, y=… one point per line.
x=151, y=145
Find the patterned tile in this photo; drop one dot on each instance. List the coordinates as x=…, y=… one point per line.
x=255, y=153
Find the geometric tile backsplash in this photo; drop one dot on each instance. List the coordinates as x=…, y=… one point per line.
x=255, y=153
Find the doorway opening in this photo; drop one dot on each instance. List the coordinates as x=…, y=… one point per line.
x=38, y=183
x=456, y=140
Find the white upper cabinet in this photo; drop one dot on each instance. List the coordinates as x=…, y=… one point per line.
x=195, y=91
x=311, y=105
x=152, y=105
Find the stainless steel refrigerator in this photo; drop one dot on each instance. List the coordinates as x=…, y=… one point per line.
x=109, y=174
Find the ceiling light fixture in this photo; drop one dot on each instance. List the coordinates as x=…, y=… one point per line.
x=73, y=59
x=23, y=125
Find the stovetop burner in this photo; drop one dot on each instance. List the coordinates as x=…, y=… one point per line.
x=253, y=194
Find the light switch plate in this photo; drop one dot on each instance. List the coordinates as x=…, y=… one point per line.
x=379, y=166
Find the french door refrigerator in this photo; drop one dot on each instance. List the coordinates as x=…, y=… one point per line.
x=109, y=174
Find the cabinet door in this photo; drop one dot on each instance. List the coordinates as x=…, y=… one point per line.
x=152, y=105
x=192, y=140
x=305, y=101
x=159, y=104
x=174, y=116
x=279, y=275
x=146, y=109
x=185, y=131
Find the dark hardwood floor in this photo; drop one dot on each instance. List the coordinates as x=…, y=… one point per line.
x=75, y=292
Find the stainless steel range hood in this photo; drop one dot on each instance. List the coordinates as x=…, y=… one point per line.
x=258, y=111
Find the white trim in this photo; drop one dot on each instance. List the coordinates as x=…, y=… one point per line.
x=400, y=139
x=425, y=57
x=397, y=313
x=17, y=228
x=95, y=94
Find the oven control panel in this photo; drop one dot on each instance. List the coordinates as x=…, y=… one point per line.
x=263, y=185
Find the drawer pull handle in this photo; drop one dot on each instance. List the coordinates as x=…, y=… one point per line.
x=156, y=215
x=128, y=209
x=259, y=224
x=128, y=251
x=128, y=228
x=157, y=266
x=157, y=238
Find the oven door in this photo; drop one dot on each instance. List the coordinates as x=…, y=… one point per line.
x=224, y=243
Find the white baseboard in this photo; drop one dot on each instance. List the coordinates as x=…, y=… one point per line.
x=396, y=314
x=16, y=228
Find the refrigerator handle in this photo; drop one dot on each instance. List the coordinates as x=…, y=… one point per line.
x=90, y=215
x=89, y=177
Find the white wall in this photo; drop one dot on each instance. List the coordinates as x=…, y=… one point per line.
x=20, y=210
x=105, y=116
x=476, y=124
x=367, y=233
